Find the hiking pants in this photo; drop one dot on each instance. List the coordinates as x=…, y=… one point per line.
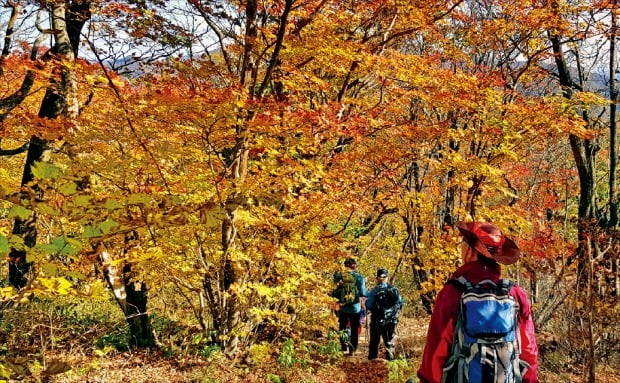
x=344, y=321
x=387, y=331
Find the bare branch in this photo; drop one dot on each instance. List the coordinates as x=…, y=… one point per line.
x=12, y=152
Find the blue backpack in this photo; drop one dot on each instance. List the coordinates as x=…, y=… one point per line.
x=486, y=344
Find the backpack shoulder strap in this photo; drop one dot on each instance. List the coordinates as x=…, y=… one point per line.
x=393, y=293
x=505, y=285
x=461, y=283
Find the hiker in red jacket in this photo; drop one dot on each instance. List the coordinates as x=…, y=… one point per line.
x=483, y=247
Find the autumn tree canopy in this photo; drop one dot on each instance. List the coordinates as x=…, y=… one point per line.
x=237, y=151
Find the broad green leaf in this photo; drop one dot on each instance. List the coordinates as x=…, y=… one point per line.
x=91, y=231
x=20, y=212
x=139, y=198
x=73, y=246
x=16, y=241
x=62, y=245
x=54, y=247
x=4, y=245
x=49, y=269
x=83, y=200
x=76, y=275
x=68, y=188
x=45, y=170
x=47, y=209
x=112, y=204
x=107, y=226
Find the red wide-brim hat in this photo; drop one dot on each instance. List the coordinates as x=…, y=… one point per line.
x=489, y=241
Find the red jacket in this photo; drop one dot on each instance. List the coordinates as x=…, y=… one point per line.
x=443, y=320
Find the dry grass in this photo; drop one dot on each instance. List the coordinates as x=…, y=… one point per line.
x=52, y=339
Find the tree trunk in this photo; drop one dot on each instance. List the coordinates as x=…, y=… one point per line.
x=613, y=98
x=224, y=304
x=131, y=296
x=136, y=312
x=414, y=234
x=60, y=100
x=584, y=154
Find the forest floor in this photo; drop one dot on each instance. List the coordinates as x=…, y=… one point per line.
x=155, y=366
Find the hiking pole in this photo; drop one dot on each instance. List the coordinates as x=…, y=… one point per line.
x=366, y=320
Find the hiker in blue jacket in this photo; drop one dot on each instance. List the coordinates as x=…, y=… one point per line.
x=351, y=297
x=384, y=302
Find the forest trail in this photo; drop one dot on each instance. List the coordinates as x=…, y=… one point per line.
x=156, y=366
x=357, y=367
x=409, y=344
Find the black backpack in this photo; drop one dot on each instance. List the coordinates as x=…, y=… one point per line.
x=385, y=307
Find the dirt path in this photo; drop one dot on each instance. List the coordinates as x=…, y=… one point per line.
x=359, y=369
x=410, y=337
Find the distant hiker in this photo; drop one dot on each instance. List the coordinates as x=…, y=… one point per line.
x=467, y=344
x=384, y=303
x=350, y=292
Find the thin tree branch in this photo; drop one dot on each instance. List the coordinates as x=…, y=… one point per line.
x=276, y=50
x=12, y=152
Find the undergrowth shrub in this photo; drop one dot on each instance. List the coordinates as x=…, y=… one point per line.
x=400, y=369
x=66, y=323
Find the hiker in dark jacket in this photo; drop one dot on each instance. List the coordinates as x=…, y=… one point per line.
x=350, y=310
x=384, y=303
x=483, y=247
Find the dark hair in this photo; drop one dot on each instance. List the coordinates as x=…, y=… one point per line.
x=350, y=262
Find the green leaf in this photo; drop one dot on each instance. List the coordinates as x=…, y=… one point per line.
x=16, y=241
x=20, y=212
x=47, y=209
x=49, y=269
x=139, y=198
x=83, y=200
x=45, y=170
x=68, y=188
x=112, y=204
x=62, y=245
x=107, y=226
x=76, y=275
x=4, y=245
x=72, y=247
x=91, y=231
